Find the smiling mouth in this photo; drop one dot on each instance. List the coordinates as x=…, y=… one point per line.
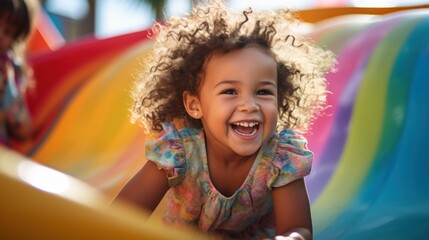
x=246, y=129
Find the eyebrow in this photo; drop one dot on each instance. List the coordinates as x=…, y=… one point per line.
x=262, y=83
x=226, y=82
x=268, y=82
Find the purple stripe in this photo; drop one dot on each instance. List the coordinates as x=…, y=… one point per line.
x=352, y=65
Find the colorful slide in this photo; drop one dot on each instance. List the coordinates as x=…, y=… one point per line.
x=368, y=181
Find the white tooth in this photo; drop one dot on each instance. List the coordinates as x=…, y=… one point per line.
x=246, y=124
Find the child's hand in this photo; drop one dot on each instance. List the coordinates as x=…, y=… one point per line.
x=20, y=129
x=291, y=236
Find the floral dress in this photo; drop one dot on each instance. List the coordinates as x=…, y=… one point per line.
x=193, y=200
x=11, y=97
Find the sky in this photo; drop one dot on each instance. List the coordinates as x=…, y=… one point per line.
x=111, y=13
x=115, y=17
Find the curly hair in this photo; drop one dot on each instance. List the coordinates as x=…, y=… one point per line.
x=184, y=44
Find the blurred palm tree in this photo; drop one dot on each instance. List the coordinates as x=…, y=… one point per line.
x=75, y=28
x=157, y=7
x=89, y=20
x=86, y=26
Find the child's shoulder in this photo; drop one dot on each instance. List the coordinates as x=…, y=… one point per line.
x=291, y=158
x=175, y=141
x=173, y=151
x=190, y=132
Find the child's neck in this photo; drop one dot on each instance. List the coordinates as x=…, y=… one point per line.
x=228, y=173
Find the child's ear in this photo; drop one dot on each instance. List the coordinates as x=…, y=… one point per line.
x=192, y=105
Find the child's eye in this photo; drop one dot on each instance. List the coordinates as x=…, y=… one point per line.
x=265, y=92
x=229, y=92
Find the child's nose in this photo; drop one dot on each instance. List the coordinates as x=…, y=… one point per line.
x=248, y=104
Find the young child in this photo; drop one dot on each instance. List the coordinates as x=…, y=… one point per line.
x=15, y=27
x=231, y=80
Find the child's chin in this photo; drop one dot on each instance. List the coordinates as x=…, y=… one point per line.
x=248, y=151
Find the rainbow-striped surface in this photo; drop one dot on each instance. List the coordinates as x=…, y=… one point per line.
x=369, y=180
x=80, y=110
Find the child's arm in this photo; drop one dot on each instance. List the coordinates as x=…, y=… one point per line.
x=21, y=130
x=292, y=211
x=147, y=187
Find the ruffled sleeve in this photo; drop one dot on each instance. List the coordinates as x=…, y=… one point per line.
x=292, y=159
x=168, y=153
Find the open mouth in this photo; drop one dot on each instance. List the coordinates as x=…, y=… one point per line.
x=246, y=129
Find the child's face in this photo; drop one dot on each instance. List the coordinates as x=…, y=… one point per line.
x=7, y=34
x=238, y=100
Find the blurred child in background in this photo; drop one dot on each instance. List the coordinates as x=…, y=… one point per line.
x=15, y=27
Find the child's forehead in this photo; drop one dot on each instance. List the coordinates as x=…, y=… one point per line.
x=239, y=63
